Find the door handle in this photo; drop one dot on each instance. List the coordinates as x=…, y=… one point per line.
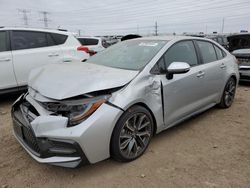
x=200, y=74
x=222, y=66
x=53, y=55
x=4, y=59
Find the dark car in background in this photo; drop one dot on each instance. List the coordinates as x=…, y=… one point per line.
x=239, y=46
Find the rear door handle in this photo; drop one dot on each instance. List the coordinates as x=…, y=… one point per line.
x=222, y=66
x=200, y=74
x=53, y=55
x=4, y=59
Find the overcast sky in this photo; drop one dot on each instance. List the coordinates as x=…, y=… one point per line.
x=101, y=17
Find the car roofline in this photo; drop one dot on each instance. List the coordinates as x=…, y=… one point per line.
x=36, y=29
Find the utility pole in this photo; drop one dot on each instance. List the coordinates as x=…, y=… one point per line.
x=45, y=18
x=25, y=16
x=222, y=28
x=79, y=32
x=156, y=29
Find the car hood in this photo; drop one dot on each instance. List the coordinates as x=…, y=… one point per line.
x=61, y=81
x=242, y=52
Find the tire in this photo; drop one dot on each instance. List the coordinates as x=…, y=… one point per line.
x=228, y=94
x=132, y=134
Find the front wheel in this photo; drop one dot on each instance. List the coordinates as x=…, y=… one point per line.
x=228, y=94
x=132, y=134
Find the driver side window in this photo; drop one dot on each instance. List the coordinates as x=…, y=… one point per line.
x=183, y=51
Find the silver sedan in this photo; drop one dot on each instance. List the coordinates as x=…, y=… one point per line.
x=111, y=105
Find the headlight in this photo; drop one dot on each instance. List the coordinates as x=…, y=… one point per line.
x=81, y=112
x=76, y=110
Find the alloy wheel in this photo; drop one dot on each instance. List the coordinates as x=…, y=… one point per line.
x=135, y=135
x=230, y=92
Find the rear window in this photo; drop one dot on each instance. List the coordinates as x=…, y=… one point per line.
x=3, y=41
x=207, y=51
x=219, y=52
x=88, y=41
x=239, y=42
x=58, y=38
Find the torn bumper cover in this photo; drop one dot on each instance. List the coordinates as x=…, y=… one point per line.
x=48, y=139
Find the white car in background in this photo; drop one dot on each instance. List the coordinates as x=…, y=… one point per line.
x=95, y=44
x=22, y=49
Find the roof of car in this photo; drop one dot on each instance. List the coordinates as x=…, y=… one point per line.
x=88, y=37
x=34, y=29
x=239, y=34
x=171, y=37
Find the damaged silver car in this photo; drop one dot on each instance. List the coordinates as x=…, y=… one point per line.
x=112, y=104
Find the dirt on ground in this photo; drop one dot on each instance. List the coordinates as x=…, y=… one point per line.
x=210, y=150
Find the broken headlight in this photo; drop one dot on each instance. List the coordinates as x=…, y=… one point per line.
x=76, y=110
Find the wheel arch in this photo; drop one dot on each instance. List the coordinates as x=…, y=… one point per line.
x=136, y=104
x=234, y=77
x=150, y=111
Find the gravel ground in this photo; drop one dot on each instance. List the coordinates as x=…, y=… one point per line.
x=210, y=150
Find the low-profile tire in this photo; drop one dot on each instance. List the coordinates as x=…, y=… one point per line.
x=228, y=93
x=132, y=134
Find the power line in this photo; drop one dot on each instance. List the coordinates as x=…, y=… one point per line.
x=148, y=14
x=166, y=10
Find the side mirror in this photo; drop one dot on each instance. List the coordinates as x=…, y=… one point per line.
x=177, y=68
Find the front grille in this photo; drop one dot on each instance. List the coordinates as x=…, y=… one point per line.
x=30, y=139
x=244, y=60
x=243, y=77
x=18, y=130
x=22, y=128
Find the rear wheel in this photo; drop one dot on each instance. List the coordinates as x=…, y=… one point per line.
x=228, y=94
x=132, y=134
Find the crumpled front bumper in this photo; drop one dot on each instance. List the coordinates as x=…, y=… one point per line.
x=47, y=138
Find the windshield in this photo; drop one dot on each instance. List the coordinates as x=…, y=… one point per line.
x=239, y=42
x=131, y=54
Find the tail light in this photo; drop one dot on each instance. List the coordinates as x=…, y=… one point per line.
x=86, y=49
x=83, y=48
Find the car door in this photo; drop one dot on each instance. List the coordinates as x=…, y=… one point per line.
x=183, y=94
x=7, y=75
x=214, y=69
x=31, y=49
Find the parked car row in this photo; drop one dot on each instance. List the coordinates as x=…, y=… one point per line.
x=112, y=104
x=23, y=49
x=239, y=45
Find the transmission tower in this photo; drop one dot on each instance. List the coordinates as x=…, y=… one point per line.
x=45, y=18
x=156, y=29
x=25, y=16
